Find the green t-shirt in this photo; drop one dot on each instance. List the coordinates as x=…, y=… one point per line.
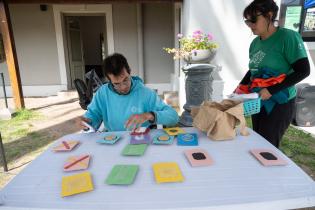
x=277, y=52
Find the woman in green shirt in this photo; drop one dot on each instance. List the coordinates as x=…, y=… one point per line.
x=277, y=50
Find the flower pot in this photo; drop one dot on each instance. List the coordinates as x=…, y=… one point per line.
x=200, y=56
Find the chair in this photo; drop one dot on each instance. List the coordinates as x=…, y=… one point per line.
x=85, y=92
x=94, y=79
x=85, y=95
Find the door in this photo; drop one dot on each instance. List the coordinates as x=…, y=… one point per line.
x=75, y=49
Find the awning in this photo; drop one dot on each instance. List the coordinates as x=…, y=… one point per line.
x=86, y=1
x=309, y=4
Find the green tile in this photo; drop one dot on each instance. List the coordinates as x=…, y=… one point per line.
x=134, y=149
x=122, y=175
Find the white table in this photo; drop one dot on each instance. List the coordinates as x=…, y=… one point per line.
x=236, y=180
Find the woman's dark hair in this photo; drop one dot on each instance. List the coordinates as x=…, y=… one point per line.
x=114, y=64
x=261, y=7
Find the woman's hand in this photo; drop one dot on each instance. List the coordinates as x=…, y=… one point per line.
x=264, y=94
x=137, y=120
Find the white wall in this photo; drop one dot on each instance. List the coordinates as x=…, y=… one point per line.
x=125, y=33
x=36, y=45
x=310, y=46
x=158, y=32
x=224, y=19
x=35, y=42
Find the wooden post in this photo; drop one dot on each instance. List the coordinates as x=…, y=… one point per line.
x=2, y=153
x=10, y=54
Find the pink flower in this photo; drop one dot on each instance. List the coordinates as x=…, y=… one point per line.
x=196, y=36
x=210, y=37
x=197, y=32
x=191, y=43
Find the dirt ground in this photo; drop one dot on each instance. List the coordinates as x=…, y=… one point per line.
x=56, y=110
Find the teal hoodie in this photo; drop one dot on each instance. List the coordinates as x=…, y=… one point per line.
x=115, y=109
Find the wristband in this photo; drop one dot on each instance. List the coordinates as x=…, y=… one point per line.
x=154, y=118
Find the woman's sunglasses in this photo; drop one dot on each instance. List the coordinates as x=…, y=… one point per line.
x=253, y=20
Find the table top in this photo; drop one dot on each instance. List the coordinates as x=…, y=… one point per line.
x=236, y=180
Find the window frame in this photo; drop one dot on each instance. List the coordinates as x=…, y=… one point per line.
x=308, y=36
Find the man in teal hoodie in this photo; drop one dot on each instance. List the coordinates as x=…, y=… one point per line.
x=125, y=103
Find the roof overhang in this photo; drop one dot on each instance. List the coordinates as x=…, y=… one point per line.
x=86, y=1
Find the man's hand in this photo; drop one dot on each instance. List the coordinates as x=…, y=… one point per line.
x=264, y=94
x=80, y=123
x=137, y=120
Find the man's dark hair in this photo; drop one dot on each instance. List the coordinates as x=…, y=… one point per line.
x=114, y=64
x=262, y=7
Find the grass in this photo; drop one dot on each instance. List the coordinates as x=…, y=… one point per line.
x=18, y=126
x=17, y=135
x=299, y=146
x=21, y=144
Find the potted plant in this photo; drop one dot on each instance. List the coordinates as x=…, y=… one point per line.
x=198, y=48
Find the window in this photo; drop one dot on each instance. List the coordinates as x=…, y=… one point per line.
x=308, y=29
x=293, y=17
x=299, y=15
x=2, y=53
x=291, y=12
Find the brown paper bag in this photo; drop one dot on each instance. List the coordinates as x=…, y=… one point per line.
x=219, y=120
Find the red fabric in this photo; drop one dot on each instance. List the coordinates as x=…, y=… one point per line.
x=259, y=82
x=242, y=89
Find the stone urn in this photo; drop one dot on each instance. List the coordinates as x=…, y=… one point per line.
x=198, y=87
x=201, y=56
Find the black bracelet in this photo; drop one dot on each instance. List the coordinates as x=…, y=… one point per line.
x=154, y=118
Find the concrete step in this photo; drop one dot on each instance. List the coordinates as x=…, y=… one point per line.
x=68, y=94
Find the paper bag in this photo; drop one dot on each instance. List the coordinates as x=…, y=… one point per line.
x=219, y=120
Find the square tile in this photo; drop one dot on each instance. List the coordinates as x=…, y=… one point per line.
x=174, y=131
x=187, y=139
x=198, y=157
x=134, y=149
x=122, y=175
x=140, y=139
x=75, y=184
x=65, y=146
x=163, y=139
x=167, y=172
x=79, y=162
x=268, y=157
x=109, y=138
x=140, y=131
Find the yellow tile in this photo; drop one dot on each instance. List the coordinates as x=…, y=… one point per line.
x=174, y=131
x=167, y=172
x=75, y=184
